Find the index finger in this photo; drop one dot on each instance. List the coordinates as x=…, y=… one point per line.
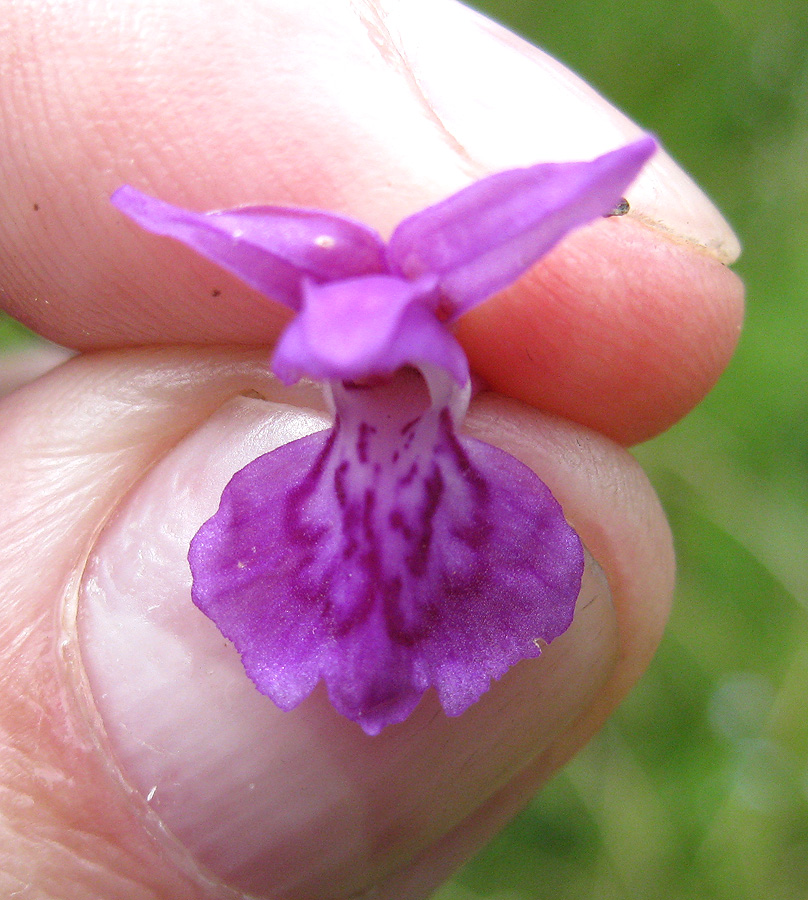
x=362, y=109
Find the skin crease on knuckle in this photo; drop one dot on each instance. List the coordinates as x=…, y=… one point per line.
x=77, y=443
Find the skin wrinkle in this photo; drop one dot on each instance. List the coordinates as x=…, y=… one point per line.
x=374, y=16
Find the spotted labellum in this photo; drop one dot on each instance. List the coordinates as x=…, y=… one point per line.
x=389, y=553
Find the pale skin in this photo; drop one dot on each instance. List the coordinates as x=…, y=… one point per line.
x=336, y=105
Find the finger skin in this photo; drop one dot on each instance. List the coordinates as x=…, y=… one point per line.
x=639, y=344
x=622, y=328
x=78, y=441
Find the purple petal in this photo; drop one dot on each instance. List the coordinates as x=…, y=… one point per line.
x=384, y=556
x=270, y=248
x=366, y=327
x=484, y=237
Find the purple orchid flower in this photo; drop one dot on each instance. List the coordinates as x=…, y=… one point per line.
x=390, y=553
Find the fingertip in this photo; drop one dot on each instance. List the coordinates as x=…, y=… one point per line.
x=621, y=329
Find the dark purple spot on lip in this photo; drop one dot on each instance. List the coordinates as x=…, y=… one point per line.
x=408, y=477
x=408, y=433
x=398, y=523
x=295, y=500
x=368, y=508
x=461, y=459
x=433, y=491
x=340, y=477
x=350, y=531
x=362, y=441
x=364, y=602
x=393, y=617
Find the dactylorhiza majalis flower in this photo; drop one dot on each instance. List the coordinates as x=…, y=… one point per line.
x=390, y=553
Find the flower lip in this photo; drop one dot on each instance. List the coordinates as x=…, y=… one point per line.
x=385, y=556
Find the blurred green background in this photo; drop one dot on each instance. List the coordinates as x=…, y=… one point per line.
x=698, y=787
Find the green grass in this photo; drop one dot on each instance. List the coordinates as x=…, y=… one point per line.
x=12, y=334
x=698, y=787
